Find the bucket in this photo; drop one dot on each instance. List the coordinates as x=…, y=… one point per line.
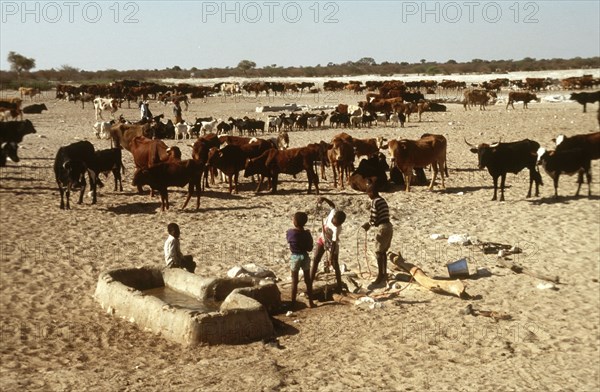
x=458, y=269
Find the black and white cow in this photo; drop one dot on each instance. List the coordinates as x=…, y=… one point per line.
x=568, y=162
x=70, y=166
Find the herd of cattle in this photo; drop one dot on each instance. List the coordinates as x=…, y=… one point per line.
x=216, y=150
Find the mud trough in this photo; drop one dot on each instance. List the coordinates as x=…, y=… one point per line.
x=187, y=308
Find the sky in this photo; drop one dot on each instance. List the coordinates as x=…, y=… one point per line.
x=97, y=35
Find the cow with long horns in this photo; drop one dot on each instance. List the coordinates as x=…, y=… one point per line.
x=501, y=158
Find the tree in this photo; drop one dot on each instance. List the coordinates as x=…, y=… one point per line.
x=423, y=61
x=246, y=65
x=366, y=61
x=19, y=63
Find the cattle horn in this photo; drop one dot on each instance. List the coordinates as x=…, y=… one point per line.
x=496, y=144
x=469, y=144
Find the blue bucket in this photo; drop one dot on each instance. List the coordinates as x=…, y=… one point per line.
x=458, y=268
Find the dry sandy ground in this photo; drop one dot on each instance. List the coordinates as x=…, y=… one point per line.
x=54, y=335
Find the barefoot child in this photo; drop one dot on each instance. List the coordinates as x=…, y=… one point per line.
x=380, y=219
x=173, y=256
x=328, y=240
x=301, y=242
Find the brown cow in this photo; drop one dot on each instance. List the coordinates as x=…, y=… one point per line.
x=230, y=160
x=367, y=147
x=149, y=152
x=408, y=154
x=341, y=157
x=291, y=161
x=166, y=174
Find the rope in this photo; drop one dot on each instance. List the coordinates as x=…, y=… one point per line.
x=360, y=272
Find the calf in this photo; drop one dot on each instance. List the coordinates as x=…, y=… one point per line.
x=70, y=165
x=107, y=104
x=165, y=174
x=372, y=170
x=37, y=108
x=568, y=162
x=109, y=160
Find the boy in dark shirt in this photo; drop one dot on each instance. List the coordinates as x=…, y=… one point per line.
x=301, y=243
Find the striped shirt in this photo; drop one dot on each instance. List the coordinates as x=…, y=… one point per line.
x=380, y=212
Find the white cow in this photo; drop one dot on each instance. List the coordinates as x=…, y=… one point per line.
x=108, y=104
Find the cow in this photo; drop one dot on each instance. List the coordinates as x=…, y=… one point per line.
x=292, y=161
x=13, y=106
x=70, y=166
x=29, y=91
x=109, y=160
x=585, y=98
x=8, y=150
x=589, y=142
x=15, y=131
x=149, y=152
x=107, y=104
x=569, y=162
x=367, y=147
x=409, y=154
x=165, y=174
x=341, y=157
x=519, y=96
x=200, y=150
x=502, y=158
x=36, y=108
x=230, y=160
x=372, y=170
x=477, y=97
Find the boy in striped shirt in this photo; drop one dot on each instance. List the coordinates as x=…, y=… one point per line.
x=380, y=219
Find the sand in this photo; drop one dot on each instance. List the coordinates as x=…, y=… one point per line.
x=54, y=336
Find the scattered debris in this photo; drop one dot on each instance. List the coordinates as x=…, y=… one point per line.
x=497, y=316
x=438, y=236
x=522, y=270
x=459, y=239
x=545, y=286
x=367, y=303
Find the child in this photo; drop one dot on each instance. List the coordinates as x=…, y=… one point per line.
x=380, y=218
x=301, y=243
x=328, y=240
x=173, y=256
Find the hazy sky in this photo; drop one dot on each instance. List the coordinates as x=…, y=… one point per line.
x=94, y=35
